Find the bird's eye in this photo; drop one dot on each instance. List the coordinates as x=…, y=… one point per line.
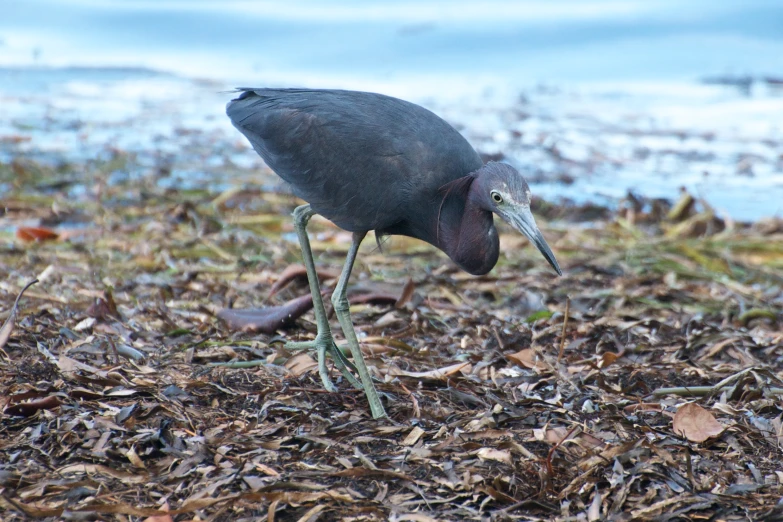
x=496, y=197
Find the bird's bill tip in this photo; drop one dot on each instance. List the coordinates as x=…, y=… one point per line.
x=526, y=224
x=543, y=247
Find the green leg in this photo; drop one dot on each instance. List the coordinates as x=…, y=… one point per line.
x=323, y=339
x=344, y=365
x=342, y=310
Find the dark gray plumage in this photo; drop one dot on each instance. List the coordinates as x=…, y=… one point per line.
x=367, y=161
x=362, y=160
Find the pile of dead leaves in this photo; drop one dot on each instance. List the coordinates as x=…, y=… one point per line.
x=644, y=384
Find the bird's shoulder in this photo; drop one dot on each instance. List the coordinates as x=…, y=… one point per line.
x=304, y=134
x=271, y=112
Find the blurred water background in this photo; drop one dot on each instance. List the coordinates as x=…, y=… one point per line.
x=589, y=99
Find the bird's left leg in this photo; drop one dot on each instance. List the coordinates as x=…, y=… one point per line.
x=323, y=340
x=342, y=310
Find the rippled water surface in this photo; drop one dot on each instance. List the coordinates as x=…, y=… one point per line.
x=591, y=99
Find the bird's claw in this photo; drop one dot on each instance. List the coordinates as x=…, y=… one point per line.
x=343, y=364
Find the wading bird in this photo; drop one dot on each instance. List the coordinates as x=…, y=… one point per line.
x=366, y=162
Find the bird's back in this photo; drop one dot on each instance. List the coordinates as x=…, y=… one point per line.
x=364, y=161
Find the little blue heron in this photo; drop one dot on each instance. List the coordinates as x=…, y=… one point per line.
x=366, y=162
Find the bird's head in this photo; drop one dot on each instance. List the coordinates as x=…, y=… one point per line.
x=501, y=189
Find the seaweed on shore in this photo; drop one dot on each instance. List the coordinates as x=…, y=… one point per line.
x=644, y=384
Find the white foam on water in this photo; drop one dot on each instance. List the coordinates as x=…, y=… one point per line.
x=561, y=88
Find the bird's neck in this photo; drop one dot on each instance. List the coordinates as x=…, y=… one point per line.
x=472, y=240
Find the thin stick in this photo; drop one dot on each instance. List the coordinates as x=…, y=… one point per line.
x=551, y=454
x=239, y=364
x=321, y=390
x=703, y=391
x=562, y=335
x=114, y=351
x=10, y=322
x=416, y=410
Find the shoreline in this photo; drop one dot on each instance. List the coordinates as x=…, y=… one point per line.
x=589, y=147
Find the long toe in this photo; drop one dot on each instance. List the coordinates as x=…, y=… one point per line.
x=345, y=366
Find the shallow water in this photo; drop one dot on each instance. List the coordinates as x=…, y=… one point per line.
x=357, y=42
x=606, y=95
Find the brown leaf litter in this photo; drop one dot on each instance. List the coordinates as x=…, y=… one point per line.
x=658, y=399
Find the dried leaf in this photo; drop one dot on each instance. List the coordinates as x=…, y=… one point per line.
x=103, y=307
x=642, y=406
x=377, y=298
x=134, y=458
x=494, y=454
x=437, y=374
x=293, y=272
x=695, y=423
x=607, y=358
x=266, y=320
x=682, y=208
x=362, y=472
x=594, y=511
x=70, y=365
x=300, y=364
x=415, y=517
x=26, y=409
x=84, y=324
x=407, y=293
x=37, y=234
x=161, y=518
x=413, y=437
x=527, y=358
x=311, y=514
x=91, y=469
x=390, y=342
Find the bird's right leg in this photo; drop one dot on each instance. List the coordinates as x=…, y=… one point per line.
x=343, y=311
x=323, y=339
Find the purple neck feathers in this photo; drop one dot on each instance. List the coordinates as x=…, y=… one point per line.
x=467, y=231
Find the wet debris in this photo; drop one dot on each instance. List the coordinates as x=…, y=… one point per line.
x=644, y=384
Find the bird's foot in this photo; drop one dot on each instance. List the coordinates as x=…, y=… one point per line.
x=338, y=356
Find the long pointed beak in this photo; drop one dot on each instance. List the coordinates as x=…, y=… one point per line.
x=524, y=221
